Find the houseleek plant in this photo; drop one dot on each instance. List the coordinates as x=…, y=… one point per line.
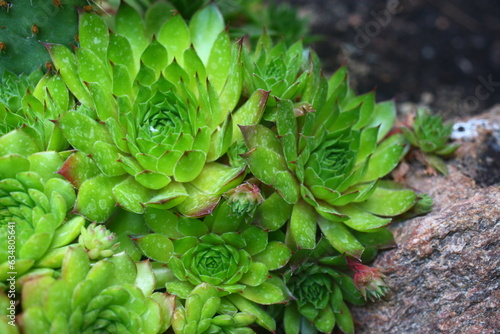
x=162, y=177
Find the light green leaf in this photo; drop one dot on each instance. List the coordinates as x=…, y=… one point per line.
x=95, y=199
x=129, y=24
x=65, y=62
x=389, y=202
x=205, y=26
x=250, y=113
x=219, y=61
x=131, y=195
x=156, y=246
x=93, y=34
x=82, y=131
x=361, y=220
x=341, y=238
x=264, y=294
x=386, y=157
x=275, y=256
x=175, y=36
x=303, y=225
x=256, y=275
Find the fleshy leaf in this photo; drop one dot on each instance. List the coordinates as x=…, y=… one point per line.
x=95, y=199
x=156, y=246
x=389, y=202
x=341, y=238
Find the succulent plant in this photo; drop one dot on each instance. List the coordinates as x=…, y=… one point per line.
x=221, y=250
x=27, y=106
x=98, y=241
x=12, y=90
x=25, y=24
x=204, y=312
x=114, y=295
x=277, y=69
x=319, y=303
x=34, y=205
x=431, y=136
x=323, y=281
x=154, y=133
x=325, y=159
x=161, y=178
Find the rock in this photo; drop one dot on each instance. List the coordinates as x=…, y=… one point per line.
x=445, y=274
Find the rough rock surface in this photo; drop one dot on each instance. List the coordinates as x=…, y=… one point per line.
x=445, y=274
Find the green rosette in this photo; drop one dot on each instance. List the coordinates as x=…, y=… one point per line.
x=35, y=218
x=205, y=312
x=156, y=113
x=431, y=136
x=323, y=282
x=221, y=250
x=28, y=104
x=114, y=295
x=325, y=158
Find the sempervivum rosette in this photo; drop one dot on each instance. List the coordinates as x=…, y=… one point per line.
x=27, y=106
x=12, y=91
x=325, y=160
x=113, y=296
x=155, y=114
x=34, y=207
x=204, y=312
x=221, y=250
x=278, y=69
x=322, y=282
x=431, y=136
x=98, y=241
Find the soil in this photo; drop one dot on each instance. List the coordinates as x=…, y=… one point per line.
x=440, y=53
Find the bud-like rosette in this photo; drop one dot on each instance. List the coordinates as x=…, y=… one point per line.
x=114, y=295
x=34, y=206
x=369, y=281
x=318, y=305
x=155, y=113
x=27, y=106
x=244, y=199
x=98, y=241
x=204, y=312
x=431, y=135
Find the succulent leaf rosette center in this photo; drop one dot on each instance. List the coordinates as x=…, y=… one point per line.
x=332, y=159
x=214, y=264
x=161, y=120
x=312, y=290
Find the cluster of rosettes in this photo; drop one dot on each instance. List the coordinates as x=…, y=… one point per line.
x=164, y=176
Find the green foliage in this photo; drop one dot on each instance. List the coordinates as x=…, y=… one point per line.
x=203, y=312
x=28, y=24
x=431, y=136
x=35, y=204
x=111, y=296
x=228, y=187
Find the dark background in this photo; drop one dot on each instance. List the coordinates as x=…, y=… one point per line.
x=435, y=52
